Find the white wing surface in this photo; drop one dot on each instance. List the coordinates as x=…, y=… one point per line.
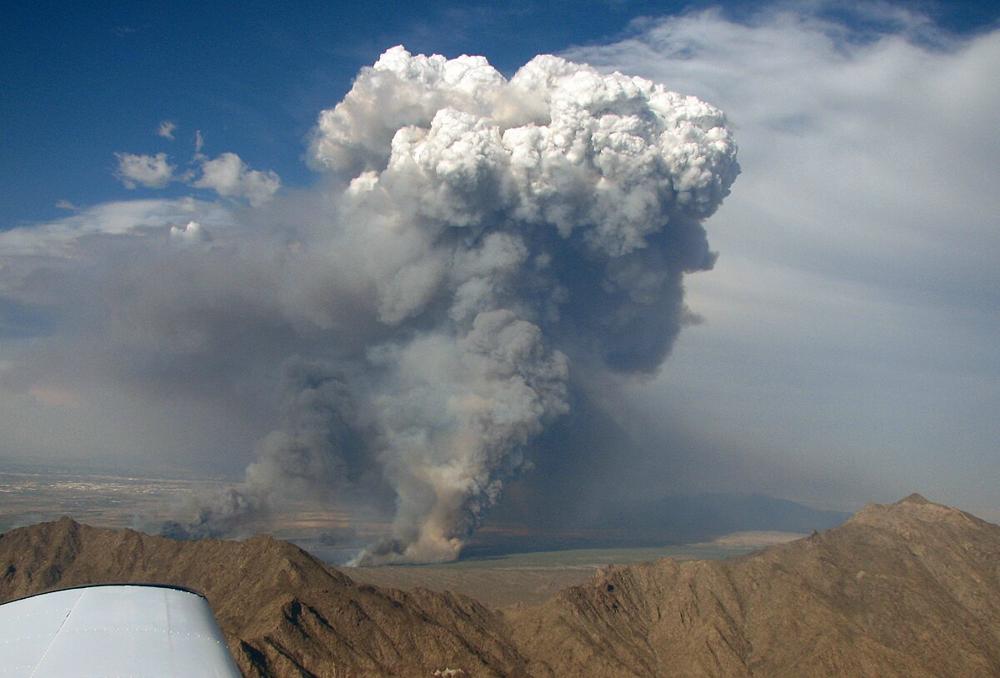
x=103, y=631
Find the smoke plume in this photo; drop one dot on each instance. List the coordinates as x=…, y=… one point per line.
x=478, y=246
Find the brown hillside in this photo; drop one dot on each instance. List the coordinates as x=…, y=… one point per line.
x=908, y=589
x=283, y=612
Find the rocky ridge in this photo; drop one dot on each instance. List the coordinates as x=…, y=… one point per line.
x=907, y=589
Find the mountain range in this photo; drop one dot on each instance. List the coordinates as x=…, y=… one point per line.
x=905, y=589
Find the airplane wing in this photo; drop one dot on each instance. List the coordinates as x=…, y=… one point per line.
x=141, y=631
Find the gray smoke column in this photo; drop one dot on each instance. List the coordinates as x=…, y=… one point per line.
x=490, y=237
x=304, y=458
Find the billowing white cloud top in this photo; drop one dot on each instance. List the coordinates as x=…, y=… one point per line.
x=480, y=242
x=611, y=156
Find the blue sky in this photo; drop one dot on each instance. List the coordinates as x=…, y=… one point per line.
x=83, y=81
x=161, y=301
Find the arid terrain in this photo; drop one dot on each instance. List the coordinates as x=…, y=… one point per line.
x=33, y=493
x=529, y=578
x=907, y=589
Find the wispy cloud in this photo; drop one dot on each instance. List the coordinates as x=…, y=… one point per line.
x=230, y=177
x=166, y=130
x=151, y=171
x=858, y=282
x=226, y=174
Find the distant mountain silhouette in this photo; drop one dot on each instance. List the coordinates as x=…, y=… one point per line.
x=669, y=520
x=907, y=589
x=694, y=517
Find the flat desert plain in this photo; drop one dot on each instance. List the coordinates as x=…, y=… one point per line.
x=33, y=495
x=528, y=578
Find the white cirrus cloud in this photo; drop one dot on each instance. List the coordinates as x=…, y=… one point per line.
x=29, y=246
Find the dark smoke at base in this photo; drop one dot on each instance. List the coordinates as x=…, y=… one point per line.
x=317, y=450
x=486, y=239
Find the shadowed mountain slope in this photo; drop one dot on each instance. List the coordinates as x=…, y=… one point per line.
x=908, y=589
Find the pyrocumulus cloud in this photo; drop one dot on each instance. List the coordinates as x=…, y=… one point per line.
x=478, y=243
